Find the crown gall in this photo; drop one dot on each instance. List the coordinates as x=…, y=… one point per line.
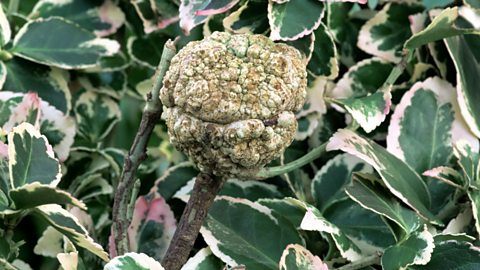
x=229, y=102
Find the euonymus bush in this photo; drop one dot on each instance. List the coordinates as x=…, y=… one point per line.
x=383, y=172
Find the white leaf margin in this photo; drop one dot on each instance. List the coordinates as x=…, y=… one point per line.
x=445, y=93
x=140, y=258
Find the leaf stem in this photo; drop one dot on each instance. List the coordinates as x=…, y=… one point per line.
x=150, y=117
x=298, y=163
x=367, y=261
x=13, y=6
x=201, y=199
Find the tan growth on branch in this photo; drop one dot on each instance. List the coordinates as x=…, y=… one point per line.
x=229, y=102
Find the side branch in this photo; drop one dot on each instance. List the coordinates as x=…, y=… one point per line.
x=150, y=117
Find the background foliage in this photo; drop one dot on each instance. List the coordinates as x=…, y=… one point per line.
x=397, y=189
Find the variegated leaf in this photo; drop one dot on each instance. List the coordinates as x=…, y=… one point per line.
x=372, y=196
x=111, y=83
x=156, y=14
x=296, y=257
x=469, y=161
x=96, y=116
x=194, y=12
x=324, y=58
x=173, y=179
x=447, y=175
x=133, y=261
x=35, y=194
x=369, y=111
x=247, y=240
x=306, y=125
x=204, y=260
x=284, y=18
x=384, y=34
x=249, y=18
x=400, y=179
x=454, y=255
x=147, y=50
x=50, y=243
x=442, y=26
x=82, y=50
x=69, y=226
x=313, y=220
x=366, y=77
x=305, y=45
x=415, y=250
x=49, y=83
x=68, y=261
x=432, y=105
x=58, y=128
x=31, y=158
x=5, y=31
x=152, y=226
x=466, y=58
x=474, y=196
x=459, y=224
x=329, y=182
x=101, y=17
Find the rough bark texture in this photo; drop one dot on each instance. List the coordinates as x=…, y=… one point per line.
x=204, y=191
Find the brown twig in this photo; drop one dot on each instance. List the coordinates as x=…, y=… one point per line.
x=201, y=199
x=150, y=117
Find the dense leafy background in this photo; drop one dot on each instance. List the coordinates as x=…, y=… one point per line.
x=399, y=185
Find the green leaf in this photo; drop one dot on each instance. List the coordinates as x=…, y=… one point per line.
x=366, y=77
x=203, y=260
x=49, y=83
x=96, y=116
x=384, y=34
x=173, y=179
x=147, y=50
x=474, y=196
x=415, y=250
x=5, y=31
x=101, y=17
x=472, y=3
x=441, y=27
x=453, y=255
x=285, y=209
x=305, y=45
x=240, y=232
x=35, y=194
x=31, y=158
x=6, y=265
x=429, y=4
x=81, y=50
x=133, y=261
x=324, y=58
x=251, y=190
x=328, y=185
x=400, y=179
x=372, y=196
x=69, y=226
x=152, y=226
x=193, y=13
x=466, y=57
x=294, y=19
x=296, y=257
x=4, y=203
x=369, y=111
x=249, y=18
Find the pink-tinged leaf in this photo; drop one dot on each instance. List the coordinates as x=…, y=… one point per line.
x=152, y=226
x=369, y=111
x=68, y=261
x=431, y=103
x=26, y=111
x=195, y=12
x=112, y=15
x=154, y=17
x=417, y=22
x=3, y=150
x=399, y=178
x=447, y=175
x=296, y=257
